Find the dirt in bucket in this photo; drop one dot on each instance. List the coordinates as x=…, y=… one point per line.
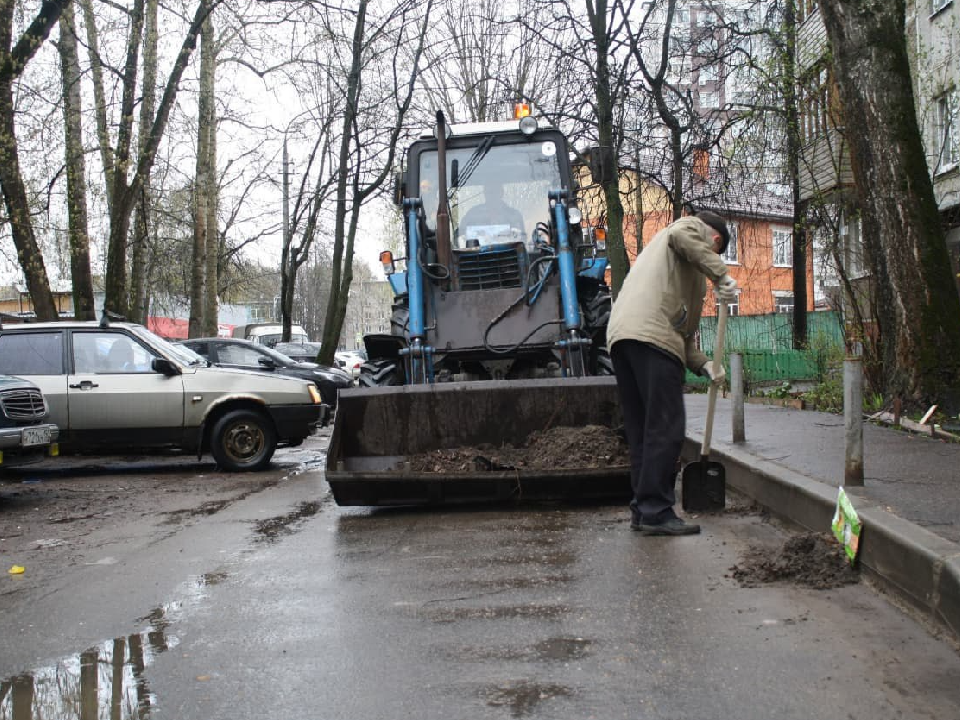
x=813, y=560
x=591, y=446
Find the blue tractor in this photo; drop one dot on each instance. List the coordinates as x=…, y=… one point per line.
x=498, y=326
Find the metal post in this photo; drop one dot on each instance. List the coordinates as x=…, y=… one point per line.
x=853, y=420
x=737, y=393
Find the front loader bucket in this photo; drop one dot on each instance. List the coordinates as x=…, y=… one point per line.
x=376, y=431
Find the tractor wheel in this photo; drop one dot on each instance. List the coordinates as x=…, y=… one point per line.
x=595, y=304
x=378, y=373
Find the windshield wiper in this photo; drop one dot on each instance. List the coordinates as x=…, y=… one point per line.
x=473, y=161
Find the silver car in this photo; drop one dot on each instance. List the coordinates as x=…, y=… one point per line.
x=117, y=387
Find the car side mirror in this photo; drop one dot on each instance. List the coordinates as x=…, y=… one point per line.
x=164, y=367
x=267, y=363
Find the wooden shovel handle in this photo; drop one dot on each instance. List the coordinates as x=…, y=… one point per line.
x=712, y=392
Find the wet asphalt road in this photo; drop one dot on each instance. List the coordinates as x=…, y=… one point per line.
x=286, y=606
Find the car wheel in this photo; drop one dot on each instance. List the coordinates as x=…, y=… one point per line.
x=243, y=440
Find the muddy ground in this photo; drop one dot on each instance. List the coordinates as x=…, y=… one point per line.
x=67, y=512
x=813, y=560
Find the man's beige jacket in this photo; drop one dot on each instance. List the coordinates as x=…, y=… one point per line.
x=662, y=296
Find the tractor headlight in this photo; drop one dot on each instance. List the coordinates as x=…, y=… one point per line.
x=528, y=125
x=575, y=215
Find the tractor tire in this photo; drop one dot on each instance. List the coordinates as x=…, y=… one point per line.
x=380, y=373
x=400, y=318
x=243, y=440
x=595, y=305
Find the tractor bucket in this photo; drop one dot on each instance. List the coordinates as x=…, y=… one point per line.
x=376, y=431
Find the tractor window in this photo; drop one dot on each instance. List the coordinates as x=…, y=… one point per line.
x=495, y=196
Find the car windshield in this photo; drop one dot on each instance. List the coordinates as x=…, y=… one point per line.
x=497, y=195
x=180, y=353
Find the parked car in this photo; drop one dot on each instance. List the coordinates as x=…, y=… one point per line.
x=118, y=387
x=268, y=334
x=26, y=432
x=247, y=355
x=352, y=360
x=299, y=351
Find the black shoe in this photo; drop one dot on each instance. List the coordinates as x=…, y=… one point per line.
x=673, y=526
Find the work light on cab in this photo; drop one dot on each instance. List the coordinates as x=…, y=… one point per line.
x=528, y=125
x=386, y=259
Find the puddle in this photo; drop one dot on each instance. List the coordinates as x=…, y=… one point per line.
x=108, y=680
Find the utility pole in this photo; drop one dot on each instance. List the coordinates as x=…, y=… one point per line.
x=286, y=193
x=285, y=290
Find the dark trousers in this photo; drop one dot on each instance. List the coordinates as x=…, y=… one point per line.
x=650, y=383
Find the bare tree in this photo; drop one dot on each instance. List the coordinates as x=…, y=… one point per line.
x=919, y=309
x=203, y=286
x=589, y=40
x=12, y=62
x=83, y=308
x=376, y=69
x=124, y=188
x=141, y=260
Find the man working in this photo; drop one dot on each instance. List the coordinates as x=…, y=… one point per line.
x=651, y=336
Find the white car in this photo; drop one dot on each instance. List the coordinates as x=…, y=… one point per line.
x=118, y=387
x=351, y=361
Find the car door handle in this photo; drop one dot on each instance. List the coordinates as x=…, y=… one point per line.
x=84, y=385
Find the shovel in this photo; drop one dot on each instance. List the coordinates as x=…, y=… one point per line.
x=704, y=483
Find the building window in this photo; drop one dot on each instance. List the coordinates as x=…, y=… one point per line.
x=948, y=136
x=854, y=254
x=709, y=100
x=783, y=302
x=733, y=309
x=782, y=247
x=815, y=98
x=730, y=255
x=707, y=74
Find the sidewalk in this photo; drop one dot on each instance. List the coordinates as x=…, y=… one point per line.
x=792, y=462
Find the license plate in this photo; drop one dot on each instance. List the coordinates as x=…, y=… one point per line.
x=35, y=436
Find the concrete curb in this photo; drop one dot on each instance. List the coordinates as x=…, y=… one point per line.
x=912, y=563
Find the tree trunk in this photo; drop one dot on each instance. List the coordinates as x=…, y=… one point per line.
x=789, y=84
x=343, y=271
x=918, y=306
x=202, y=282
x=142, y=227
x=208, y=87
x=83, y=307
x=99, y=99
x=609, y=147
x=116, y=276
x=14, y=191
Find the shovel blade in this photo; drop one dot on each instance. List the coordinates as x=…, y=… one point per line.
x=703, y=486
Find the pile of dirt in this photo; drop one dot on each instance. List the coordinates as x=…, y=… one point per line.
x=591, y=446
x=812, y=560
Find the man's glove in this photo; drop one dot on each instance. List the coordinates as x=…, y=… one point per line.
x=717, y=377
x=727, y=289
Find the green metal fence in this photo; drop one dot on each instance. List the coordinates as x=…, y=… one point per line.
x=766, y=342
